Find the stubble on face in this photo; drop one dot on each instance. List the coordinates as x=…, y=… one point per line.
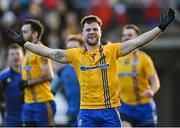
x=92, y=42
x=92, y=33
x=27, y=32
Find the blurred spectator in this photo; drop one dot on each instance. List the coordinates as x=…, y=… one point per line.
x=9, y=18
x=103, y=10
x=120, y=11
x=134, y=11
x=151, y=12
x=53, y=39
x=50, y=4
x=35, y=10
x=52, y=20
x=72, y=25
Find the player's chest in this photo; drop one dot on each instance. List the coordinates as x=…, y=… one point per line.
x=130, y=64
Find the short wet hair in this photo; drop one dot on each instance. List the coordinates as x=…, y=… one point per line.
x=91, y=18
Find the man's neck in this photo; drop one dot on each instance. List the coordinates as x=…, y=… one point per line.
x=89, y=47
x=16, y=68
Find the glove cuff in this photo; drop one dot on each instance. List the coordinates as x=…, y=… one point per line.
x=161, y=27
x=21, y=43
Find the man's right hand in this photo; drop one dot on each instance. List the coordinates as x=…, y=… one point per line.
x=18, y=38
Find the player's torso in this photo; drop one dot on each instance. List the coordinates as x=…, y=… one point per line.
x=31, y=69
x=97, y=74
x=133, y=79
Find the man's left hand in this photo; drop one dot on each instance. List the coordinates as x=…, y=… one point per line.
x=148, y=93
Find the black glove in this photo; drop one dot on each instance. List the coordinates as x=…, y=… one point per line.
x=4, y=83
x=166, y=19
x=18, y=38
x=21, y=97
x=23, y=84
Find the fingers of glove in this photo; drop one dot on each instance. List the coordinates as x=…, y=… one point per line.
x=171, y=17
x=162, y=17
x=171, y=12
x=12, y=34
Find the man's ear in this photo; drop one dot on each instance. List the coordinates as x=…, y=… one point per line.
x=35, y=35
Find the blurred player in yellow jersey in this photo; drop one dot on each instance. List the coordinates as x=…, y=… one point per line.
x=39, y=108
x=96, y=68
x=138, y=82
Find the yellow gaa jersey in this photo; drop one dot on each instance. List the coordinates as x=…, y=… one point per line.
x=133, y=72
x=31, y=69
x=97, y=74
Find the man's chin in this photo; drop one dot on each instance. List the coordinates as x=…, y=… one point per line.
x=92, y=43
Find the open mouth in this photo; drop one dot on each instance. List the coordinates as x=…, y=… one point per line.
x=91, y=37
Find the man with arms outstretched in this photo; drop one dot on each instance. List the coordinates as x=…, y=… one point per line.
x=96, y=69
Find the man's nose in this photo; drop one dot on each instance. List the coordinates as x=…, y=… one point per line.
x=91, y=32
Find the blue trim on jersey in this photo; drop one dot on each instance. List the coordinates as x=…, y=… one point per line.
x=100, y=66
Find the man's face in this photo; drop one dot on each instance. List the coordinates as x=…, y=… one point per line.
x=72, y=44
x=27, y=32
x=15, y=57
x=129, y=34
x=91, y=33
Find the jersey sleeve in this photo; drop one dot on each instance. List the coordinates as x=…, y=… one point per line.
x=116, y=48
x=71, y=54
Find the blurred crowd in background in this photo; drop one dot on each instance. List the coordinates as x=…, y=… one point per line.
x=62, y=17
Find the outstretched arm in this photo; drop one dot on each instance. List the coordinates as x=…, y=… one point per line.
x=140, y=41
x=55, y=54
x=147, y=37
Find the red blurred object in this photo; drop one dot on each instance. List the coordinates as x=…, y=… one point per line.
x=103, y=10
x=122, y=18
x=50, y=4
x=153, y=12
